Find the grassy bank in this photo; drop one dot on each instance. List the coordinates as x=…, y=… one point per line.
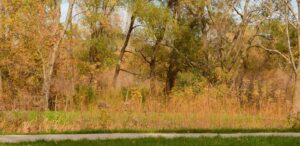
x=245, y=141
x=198, y=114
x=109, y=122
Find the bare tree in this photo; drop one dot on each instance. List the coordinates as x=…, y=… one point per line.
x=53, y=55
x=123, y=50
x=290, y=57
x=296, y=98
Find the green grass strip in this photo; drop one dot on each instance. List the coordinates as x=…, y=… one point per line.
x=244, y=141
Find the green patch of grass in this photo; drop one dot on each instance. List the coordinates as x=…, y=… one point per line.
x=245, y=141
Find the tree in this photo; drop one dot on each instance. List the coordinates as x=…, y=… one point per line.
x=157, y=28
x=296, y=66
x=286, y=9
x=22, y=28
x=123, y=50
x=100, y=21
x=50, y=66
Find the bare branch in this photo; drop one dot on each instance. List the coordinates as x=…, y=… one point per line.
x=136, y=26
x=288, y=4
x=131, y=52
x=239, y=13
x=272, y=51
x=136, y=74
x=288, y=39
x=209, y=11
x=144, y=57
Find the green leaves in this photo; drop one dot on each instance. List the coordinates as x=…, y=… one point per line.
x=155, y=17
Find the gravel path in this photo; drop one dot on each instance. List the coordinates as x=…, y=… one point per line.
x=59, y=137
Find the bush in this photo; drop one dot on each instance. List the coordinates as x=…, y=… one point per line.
x=190, y=81
x=85, y=94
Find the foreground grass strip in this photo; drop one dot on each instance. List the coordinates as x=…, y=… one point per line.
x=217, y=141
x=78, y=137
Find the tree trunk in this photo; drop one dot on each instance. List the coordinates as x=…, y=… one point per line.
x=153, y=66
x=236, y=51
x=53, y=55
x=123, y=50
x=159, y=38
x=152, y=76
x=71, y=68
x=298, y=31
x=171, y=78
x=296, y=97
x=171, y=72
x=92, y=53
x=173, y=64
x=1, y=89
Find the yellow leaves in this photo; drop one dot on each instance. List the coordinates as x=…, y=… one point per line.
x=100, y=14
x=112, y=3
x=220, y=74
x=136, y=93
x=194, y=2
x=138, y=6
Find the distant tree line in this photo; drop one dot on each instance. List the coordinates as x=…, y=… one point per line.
x=238, y=43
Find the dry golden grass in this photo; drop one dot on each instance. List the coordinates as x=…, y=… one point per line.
x=208, y=110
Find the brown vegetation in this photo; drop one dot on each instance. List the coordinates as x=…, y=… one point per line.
x=148, y=64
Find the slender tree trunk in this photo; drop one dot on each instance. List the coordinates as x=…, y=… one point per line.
x=93, y=50
x=92, y=54
x=234, y=60
x=123, y=50
x=205, y=46
x=53, y=55
x=153, y=66
x=296, y=97
x=152, y=75
x=71, y=67
x=298, y=4
x=1, y=88
x=240, y=85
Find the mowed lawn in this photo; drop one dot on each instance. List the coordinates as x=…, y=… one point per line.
x=243, y=141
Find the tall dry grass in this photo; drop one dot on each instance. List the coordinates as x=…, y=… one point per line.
x=214, y=108
x=131, y=107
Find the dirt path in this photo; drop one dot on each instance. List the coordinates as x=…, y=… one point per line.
x=59, y=137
